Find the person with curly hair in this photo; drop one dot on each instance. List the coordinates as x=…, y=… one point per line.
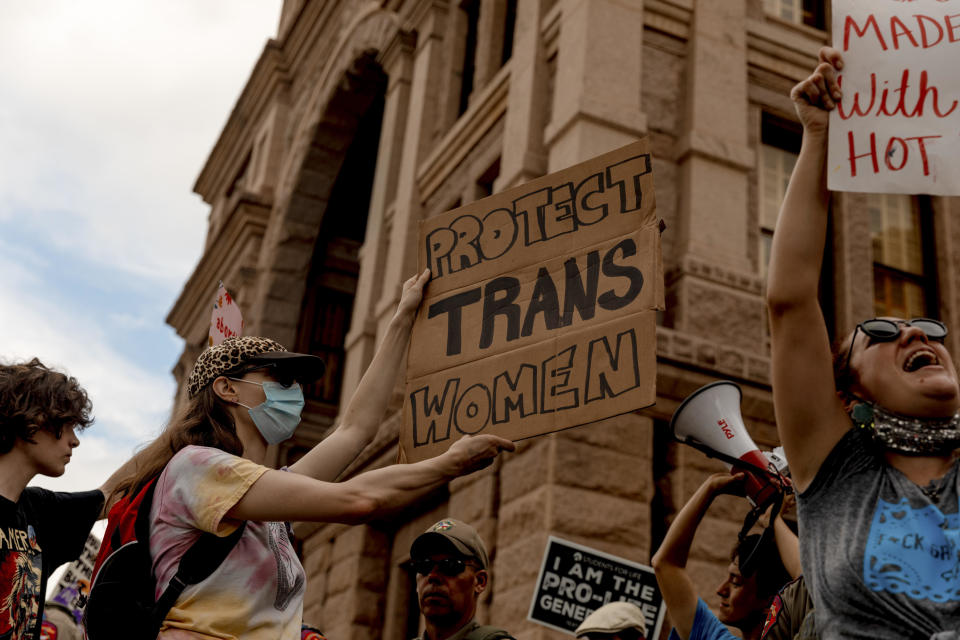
x=41, y=412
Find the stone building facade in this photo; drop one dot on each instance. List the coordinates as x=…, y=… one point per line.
x=362, y=117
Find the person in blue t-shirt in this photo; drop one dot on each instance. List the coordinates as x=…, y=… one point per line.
x=745, y=596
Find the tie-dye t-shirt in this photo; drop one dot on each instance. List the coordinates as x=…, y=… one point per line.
x=879, y=554
x=257, y=592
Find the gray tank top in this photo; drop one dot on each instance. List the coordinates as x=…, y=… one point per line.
x=879, y=554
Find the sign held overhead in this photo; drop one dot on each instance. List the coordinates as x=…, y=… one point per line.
x=896, y=128
x=540, y=314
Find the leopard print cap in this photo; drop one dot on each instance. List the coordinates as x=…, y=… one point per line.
x=227, y=356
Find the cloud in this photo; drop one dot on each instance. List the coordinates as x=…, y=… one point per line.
x=130, y=401
x=107, y=111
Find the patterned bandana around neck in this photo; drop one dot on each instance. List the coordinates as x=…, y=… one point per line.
x=911, y=436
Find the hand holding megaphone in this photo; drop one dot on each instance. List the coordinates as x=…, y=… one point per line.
x=728, y=483
x=710, y=420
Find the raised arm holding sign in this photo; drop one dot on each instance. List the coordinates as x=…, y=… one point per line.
x=869, y=429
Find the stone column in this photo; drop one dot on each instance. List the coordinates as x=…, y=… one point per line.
x=596, y=100
x=714, y=274
x=428, y=21
x=946, y=227
x=852, y=252
x=524, y=157
x=447, y=92
x=546, y=490
x=490, y=36
x=352, y=605
x=360, y=343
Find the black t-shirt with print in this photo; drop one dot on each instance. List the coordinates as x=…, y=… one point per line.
x=37, y=534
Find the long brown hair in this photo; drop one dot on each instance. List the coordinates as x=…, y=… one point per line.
x=844, y=377
x=204, y=421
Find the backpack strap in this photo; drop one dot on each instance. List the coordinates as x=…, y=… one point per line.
x=141, y=526
x=487, y=632
x=200, y=560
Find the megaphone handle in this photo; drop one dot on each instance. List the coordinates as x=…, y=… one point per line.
x=734, y=462
x=759, y=489
x=754, y=514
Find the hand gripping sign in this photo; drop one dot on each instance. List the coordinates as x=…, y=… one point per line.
x=897, y=128
x=540, y=314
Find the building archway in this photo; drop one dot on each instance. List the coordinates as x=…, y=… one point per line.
x=326, y=115
x=332, y=279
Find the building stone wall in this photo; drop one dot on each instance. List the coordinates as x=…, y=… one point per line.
x=583, y=77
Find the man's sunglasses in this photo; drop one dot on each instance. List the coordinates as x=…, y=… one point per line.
x=882, y=330
x=447, y=566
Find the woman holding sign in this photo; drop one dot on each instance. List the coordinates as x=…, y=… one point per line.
x=245, y=395
x=869, y=429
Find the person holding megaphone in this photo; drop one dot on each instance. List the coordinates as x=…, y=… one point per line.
x=710, y=421
x=754, y=576
x=870, y=429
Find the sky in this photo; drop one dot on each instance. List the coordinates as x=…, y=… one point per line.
x=108, y=110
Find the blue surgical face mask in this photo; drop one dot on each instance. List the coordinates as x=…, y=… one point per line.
x=276, y=417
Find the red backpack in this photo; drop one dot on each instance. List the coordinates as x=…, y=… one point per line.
x=121, y=604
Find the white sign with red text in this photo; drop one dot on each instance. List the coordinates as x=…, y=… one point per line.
x=897, y=128
x=226, y=321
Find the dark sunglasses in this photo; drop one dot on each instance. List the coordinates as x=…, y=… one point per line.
x=882, y=330
x=277, y=373
x=447, y=566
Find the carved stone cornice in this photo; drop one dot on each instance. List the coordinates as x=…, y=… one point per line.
x=397, y=57
x=690, y=265
x=668, y=16
x=783, y=48
x=712, y=357
x=247, y=220
x=483, y=113
x=270, y=76
x=711, y=147
x=425, y=13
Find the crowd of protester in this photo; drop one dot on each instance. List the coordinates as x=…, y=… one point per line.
x=869, y=427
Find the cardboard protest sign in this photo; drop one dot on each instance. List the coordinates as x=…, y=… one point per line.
x=576, y=580
x=896, y=129
x=540, y=313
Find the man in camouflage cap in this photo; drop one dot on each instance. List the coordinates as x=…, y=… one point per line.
x=452, y=570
